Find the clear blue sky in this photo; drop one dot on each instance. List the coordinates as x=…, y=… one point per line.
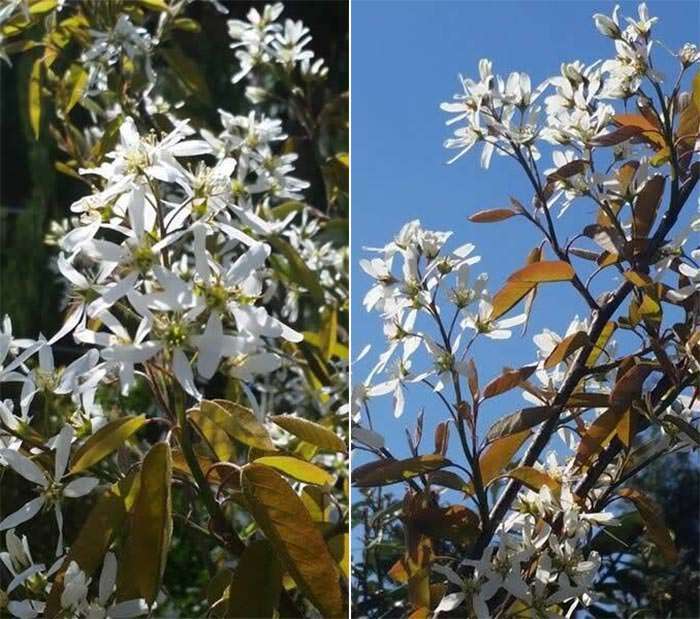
x=405, y=60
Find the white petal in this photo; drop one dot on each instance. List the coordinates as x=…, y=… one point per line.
x=63, y=443
x=59, y=523
x=449, y=602
x=108, y=578
x=183, y=373
x=507, y=323
x=80, y=487
x=25, y=467
x=130, y=608
x=24, y=513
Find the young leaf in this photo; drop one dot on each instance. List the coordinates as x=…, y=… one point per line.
x=339, y=546
x=646, y=206
x=491, y=215
x=105, y=441
x=473, y=379
x=533, y=478
x=599, y=347
x=257, y=583
x=455, y=523
x=282, y=517
x=298, y=469
x=448, y=479
x=544, y=271
x=216, y=437
x=310, y=432
x=568, y=346
x=599, y=433
x=572, y=168
x=499, y=454
x=653, y=520
x=622, y=134
x=384, y=472
x=509, y=296
x=507, y=381
x=150, y=528
x=517, y=422
x=35, y=97
x=628, y=387
x=238, y=422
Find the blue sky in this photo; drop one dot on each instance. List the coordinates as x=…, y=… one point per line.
x=406, y=57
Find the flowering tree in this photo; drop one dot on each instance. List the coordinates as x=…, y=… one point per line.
x=504, y=521
x=206, y=304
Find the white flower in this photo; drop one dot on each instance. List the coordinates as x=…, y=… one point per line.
x=476, y=590
x=689, y=54
x=693, y=274
x=52, y=489
x=75, y=594
x=481, y=322
x=609, y=26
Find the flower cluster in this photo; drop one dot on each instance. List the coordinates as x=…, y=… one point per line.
x=505, y=114
x=182, y=269
x=124, y=42
x=539, y=557
x=263, y=40
x=435, y=287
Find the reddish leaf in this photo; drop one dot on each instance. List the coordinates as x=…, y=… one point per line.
x=646, y=206
x=653, y=519
x=566, y=348
x=508, y=380
x=492, y=215
x=384, y=472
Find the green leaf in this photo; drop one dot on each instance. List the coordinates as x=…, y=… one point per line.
x=187, y=24
x=154, y=5
x=188, y=71
x=105, y=441
x=298, y=469
x=35, y=97
x=238, y=422
x=257, y=582
x=216, y=437
x=328, y=334
x=150, y=528
x=282, y=517
x=299, y=272
x=77, y=79
x=42, y=6
x=388, y=471
x=599, y=347
x=310, y=432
